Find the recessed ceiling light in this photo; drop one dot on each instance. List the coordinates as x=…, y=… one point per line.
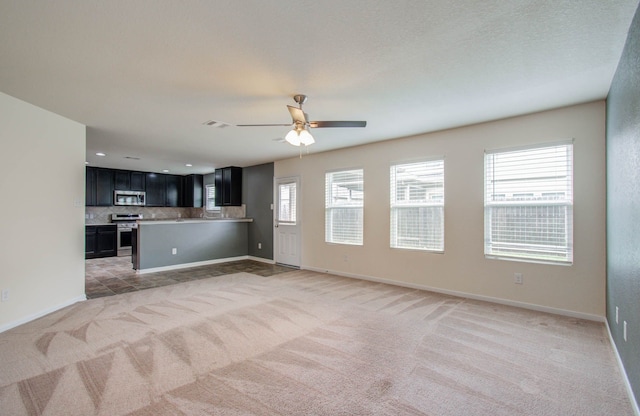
x=188, y=165
x=100, y=154
x=165, y=170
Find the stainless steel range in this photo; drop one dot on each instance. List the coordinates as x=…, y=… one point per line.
x=125, y=223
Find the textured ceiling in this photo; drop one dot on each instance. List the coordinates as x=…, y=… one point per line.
x=145, y=75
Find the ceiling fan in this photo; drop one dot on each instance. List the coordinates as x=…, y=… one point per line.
x=300, y=122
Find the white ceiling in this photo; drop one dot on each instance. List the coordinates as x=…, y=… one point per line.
x=145, y=75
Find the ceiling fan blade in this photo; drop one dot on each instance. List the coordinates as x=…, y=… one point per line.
x=263, y=125
x=322, y=124
x=297, y=115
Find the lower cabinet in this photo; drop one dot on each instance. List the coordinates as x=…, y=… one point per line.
x=100, y=241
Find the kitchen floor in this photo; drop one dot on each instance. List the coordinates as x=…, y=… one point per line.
x=114, y=275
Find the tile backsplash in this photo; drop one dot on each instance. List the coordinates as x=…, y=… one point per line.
x=102, y=215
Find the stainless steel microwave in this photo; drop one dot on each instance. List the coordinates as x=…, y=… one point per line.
x=132, y=198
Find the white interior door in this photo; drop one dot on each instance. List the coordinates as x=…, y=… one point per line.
x=287, y=222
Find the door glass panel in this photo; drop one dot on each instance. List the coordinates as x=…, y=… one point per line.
x=287, y=203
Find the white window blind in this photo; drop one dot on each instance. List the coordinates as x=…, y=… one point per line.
x=344, y=206
x=529, y=204
x=210, y=197
x=417, y=205
x=287, y=203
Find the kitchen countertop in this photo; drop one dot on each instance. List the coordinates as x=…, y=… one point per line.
x=190, y=220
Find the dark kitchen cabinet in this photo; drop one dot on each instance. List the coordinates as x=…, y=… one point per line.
x=228, y=183
x=173, y=194
x=90, y=184
x=122, y=180
x=126, y=180
x=192, y=191
x=104, y=187
x=137, y=181
x=99, y=187
x=161, y=190
x=217, y=182
x=100, y=241
x=156, y=189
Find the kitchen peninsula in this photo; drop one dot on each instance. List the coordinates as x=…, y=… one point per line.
x=173, y=244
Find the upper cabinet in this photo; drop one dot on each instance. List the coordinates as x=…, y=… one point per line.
x=138, y=181
x=90, y=184
x=192, y=191
x=125, y=180
x=156, y=189
x=104, y=187
x=228, y=183
x=99, y=187
x=173, y=194
x=122, y=180
x=161, y=190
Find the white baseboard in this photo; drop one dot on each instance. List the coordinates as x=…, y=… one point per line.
x=189, y=265
x=41, y=313
x=466, y=295
x=627, y=384
x=262, y=260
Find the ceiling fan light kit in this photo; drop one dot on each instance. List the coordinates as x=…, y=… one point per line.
x=299, y=134
x=297, y=137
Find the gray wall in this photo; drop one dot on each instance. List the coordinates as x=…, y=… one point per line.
x=257, y=194
x=623, y=205
x=194, y=241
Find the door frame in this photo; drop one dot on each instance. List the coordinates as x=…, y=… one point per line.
x=276, y=181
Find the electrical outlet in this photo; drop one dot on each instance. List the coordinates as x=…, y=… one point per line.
x=624, y=330
x=617, y=314
x=259, y=246
x=517, y=278
x=5, y=295
x=174, y=251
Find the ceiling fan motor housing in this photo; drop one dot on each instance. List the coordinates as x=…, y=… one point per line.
x=300, y=99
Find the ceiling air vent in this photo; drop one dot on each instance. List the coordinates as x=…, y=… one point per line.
x=218, y=124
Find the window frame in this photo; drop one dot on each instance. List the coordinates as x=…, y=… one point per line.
x=523, y=251
x=331, y=208
x=292, y=213
x=215, y=209
x=395, y=206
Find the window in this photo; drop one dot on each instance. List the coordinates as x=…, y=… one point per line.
x=287, y=201
x=417, y=205
x=344, y=202
x=529, y=204
x=210, y=197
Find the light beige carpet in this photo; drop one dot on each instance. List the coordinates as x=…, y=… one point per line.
x=304, y=343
